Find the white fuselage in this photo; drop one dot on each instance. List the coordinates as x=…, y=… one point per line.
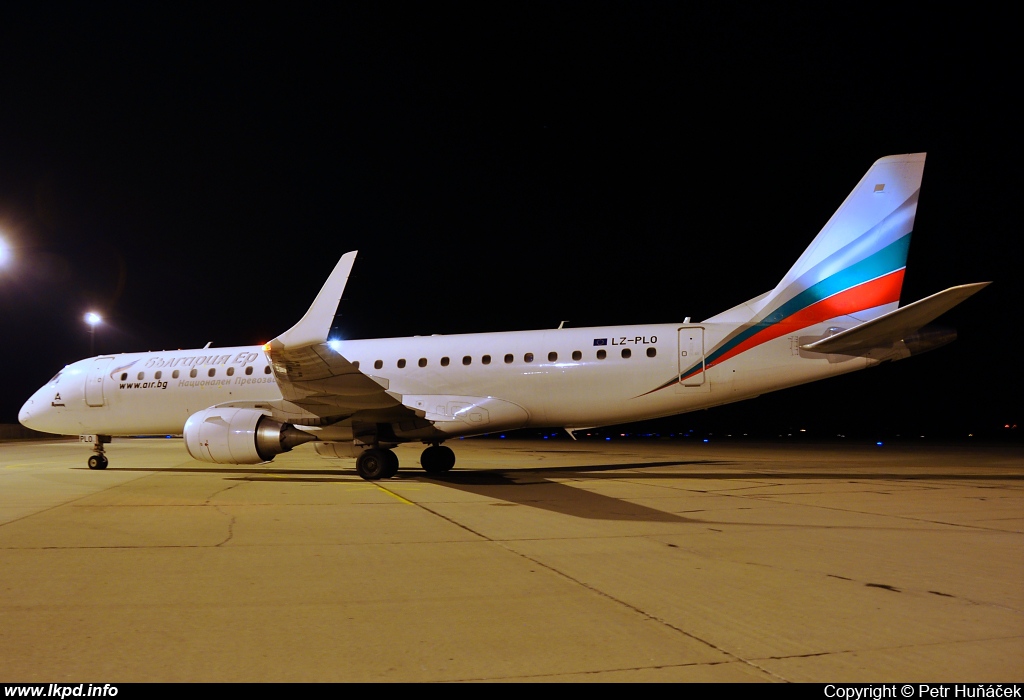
x=570, y=377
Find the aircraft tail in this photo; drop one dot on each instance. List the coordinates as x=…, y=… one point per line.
x=854, y=266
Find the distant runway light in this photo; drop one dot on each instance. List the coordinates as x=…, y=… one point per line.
x=92, y=318
x=879, y=443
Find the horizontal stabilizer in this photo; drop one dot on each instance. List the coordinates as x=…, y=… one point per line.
x=895, y=325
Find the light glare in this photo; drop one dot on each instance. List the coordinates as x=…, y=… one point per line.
x=92, y=318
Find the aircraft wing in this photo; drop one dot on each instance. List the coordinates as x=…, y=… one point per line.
x=895, y=325
x=319, y=380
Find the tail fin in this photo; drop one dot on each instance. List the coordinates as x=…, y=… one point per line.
x=854, y=266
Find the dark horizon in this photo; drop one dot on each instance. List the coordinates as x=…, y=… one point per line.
x=195, y=177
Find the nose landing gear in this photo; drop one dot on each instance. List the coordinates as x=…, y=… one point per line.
x=99, y=459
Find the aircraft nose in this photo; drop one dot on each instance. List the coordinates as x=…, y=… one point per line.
x=25, y=414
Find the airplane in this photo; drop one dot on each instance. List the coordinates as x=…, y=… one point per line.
x=835, y=311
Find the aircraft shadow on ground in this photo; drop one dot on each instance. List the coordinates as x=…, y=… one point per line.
x=542, y=487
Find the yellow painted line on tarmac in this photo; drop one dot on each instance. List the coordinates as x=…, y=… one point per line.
x=392, y=493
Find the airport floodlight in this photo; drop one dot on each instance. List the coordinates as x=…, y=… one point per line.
x=92, y=318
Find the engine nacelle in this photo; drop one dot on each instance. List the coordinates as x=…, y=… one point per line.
x=239, y=436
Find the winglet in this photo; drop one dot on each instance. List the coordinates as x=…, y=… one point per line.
x=316, y=324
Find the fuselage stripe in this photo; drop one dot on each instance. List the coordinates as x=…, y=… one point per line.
x=879, y=265
x=883, y=290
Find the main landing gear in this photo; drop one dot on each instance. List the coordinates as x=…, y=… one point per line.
x=380, y=463
x=99, y=458
x=437, y=459
x=377, y=463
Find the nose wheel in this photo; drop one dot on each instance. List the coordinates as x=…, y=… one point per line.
x=98, y=460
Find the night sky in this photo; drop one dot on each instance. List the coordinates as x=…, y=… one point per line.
x=195, y=174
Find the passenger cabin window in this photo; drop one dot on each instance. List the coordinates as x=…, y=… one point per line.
x=577, y=355
x=552, y=357
x=193, y=374
x=486, y=359
x=231, y=371
x=141, y=375
x=356, y=364
x=422, y=362
x=266, y=370
x=528, y=357
x=444, y=361
x=508, y=359
x=175, y=374
x=401, y=364
x=124, y=375
x=211, y=372
x=651, y=352
x=626, y=352
x=601, y=354
x=248, y=370
x=158, y=375
x=467, y=360
x=378, y=364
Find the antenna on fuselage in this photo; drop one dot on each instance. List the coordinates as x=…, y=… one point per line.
x=562, y=324
x=208, y=345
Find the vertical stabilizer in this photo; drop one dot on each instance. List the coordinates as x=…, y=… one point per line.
x=864, y=245
x=853, y=269
x=855, y=265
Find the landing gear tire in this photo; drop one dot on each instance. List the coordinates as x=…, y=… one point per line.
x=373, y=464
x=97, y=462
x=437, y=459
x=392, y=467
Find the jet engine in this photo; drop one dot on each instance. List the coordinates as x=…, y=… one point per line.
x=239, y=436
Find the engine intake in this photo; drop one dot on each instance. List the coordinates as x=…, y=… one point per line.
x=239, y=436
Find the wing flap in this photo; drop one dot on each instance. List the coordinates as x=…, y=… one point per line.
x=895, y=325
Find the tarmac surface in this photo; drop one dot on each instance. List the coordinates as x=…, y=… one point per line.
x=621, y=561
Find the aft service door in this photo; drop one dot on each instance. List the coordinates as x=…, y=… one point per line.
x=691, y=356
x=94, y=381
